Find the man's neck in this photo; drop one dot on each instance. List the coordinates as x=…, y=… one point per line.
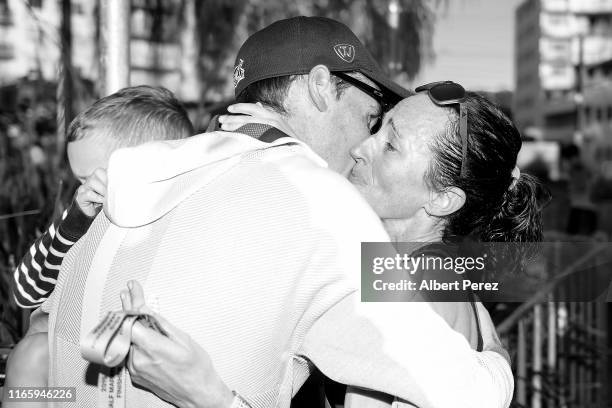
x=299, y=125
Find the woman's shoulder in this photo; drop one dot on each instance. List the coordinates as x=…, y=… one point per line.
x=459, y=314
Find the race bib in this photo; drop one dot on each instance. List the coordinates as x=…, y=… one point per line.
x=109, y=341
x=108, y=344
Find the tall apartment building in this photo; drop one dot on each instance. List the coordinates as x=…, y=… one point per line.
x=563, y=61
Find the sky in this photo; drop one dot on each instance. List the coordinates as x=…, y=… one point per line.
x=473, y=45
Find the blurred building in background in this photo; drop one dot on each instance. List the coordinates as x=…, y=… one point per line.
x=563, y=61
x=563, y=94
x=163, y=49
x=30, y=43
x=163, y=46
x=189, y=46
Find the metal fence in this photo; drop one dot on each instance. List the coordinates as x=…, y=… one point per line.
x=560, y=350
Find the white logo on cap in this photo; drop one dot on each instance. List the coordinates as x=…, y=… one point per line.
x=345, y=51
x=238, y=73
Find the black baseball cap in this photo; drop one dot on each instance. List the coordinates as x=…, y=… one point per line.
x=295, y=45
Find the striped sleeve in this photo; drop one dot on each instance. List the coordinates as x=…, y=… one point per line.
x=36, y=275
x=32, y=283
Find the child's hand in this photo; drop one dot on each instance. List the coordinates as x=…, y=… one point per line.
x=90, y=194
x=245, y=113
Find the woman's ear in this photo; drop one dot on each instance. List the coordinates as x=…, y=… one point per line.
x=446, y=202
x=320, y=86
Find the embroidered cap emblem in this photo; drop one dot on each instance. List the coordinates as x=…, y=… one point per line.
x=238, y=73
x=345, y=51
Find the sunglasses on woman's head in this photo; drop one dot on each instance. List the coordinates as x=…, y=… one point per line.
x=445, y=93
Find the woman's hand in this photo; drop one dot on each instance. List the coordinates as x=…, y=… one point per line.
x=173, y=367
x=244, y=113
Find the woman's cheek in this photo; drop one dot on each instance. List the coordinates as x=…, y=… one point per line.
x=388, y=174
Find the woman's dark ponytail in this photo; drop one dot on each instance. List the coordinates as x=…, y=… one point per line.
x=520, y=216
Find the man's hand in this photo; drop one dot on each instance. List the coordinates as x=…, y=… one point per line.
x=90, y=195
x=490, y=339
x=173, y=367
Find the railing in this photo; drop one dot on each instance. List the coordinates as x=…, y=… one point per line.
x=559, y=349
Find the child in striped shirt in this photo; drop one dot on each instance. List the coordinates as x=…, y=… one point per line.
x=129, y=117
x=110, y=123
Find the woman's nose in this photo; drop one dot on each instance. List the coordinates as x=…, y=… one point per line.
x=360, y=152
x=355, y=153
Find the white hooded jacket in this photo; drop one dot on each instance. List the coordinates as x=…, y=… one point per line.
x=253, y=249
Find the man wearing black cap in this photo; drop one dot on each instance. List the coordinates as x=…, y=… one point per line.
x=251, y=247
x=316, y=70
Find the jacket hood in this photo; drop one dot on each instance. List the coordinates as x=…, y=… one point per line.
x=147, y=181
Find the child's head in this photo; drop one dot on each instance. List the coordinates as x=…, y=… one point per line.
x=129, y=117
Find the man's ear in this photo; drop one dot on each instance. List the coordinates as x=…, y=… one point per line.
x=446, y=202
x=320, y=86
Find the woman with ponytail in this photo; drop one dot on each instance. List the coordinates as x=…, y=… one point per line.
x=443, y=169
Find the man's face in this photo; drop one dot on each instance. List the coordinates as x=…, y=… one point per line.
x=87, y=154
x=348, y=123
